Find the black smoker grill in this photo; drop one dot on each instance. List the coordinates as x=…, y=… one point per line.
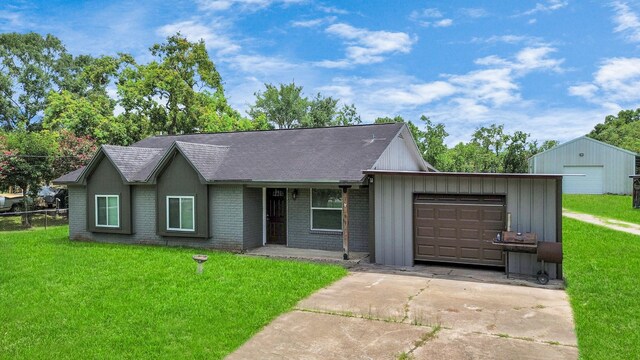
x=527, y=243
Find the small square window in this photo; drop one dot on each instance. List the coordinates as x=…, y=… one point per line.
x=326, y=209
x=181, y=213
x=108, y=210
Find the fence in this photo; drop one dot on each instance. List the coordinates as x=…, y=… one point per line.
x=11, y=221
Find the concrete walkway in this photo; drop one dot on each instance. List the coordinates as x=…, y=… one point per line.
x=386, y=316
x=618, y=225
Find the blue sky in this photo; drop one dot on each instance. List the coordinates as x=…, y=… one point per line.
x=553, y=68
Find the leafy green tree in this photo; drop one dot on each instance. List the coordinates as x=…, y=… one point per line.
x=492, y=141
x=284, y=106
x=72, y=153
x=27, y=161
x=321, y=111
x=622, y=130
x=347, y=115
x=30, y=66
x=170, y=91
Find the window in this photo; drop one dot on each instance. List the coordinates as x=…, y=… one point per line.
x=181, y=213
x=108, y=211
x=326, y=209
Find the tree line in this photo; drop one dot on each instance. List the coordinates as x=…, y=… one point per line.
x=57, y=108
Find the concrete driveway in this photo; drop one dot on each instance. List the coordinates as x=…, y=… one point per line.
x=388, y=316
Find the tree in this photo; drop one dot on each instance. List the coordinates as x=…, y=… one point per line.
x=320, y=113
x=622, y=130
x=492, y=141
x=169, y=92
x=30, y=66
x=347, y=115
x=72, y=153
x=283, y=106
x=26, y=161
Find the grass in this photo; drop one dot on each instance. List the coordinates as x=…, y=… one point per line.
x=610, y=206
x=63, y=299
x=601, y=270
x=14, y=223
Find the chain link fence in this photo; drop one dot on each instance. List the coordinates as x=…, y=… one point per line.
x=42, y=218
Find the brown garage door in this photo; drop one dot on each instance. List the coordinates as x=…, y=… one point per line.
x=458, y=228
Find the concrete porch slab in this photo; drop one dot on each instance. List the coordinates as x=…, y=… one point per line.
x=284, y=252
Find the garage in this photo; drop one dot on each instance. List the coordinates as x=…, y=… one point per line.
x=458, y=228
x=590, y=183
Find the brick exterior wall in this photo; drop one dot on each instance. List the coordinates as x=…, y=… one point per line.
x=226, y=216
x=235, y=214
x=252, y=234
x=300, y=234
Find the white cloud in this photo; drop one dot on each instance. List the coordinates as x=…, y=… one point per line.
x=526, y=60
x=474, y=13
x=258, y=63
x=616, y=84
x=332, y=10
x=10, y=20
x=443, y=23
x=509, y=39
x=547, y=6
x=243, y=5
x=627, y=21
x=313, y=22
x=213, y=34
x=430, y=17
x=418, y=94
x=366, y=46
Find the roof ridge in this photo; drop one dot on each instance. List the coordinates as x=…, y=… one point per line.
x=276, y=130
x=178, y=142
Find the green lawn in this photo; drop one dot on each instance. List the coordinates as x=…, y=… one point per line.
x=601, y=269
x=63, y=299
x=610, y=206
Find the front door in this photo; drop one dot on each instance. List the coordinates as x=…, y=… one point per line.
x=277, y=216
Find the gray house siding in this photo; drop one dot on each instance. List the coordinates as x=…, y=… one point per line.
x=617, y=163
x=252, y=206
x=105, y=180
x=226, y=211
x=300, y=235
x=531, y=202
x=180, y=179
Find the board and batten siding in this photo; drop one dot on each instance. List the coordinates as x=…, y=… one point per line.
x=401, y=154
x=617, y=163
x=531, y=202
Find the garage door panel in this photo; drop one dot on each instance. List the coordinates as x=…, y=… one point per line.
x=447, y=213
x=469, y=253
x=470, y=214
x=493, y=215
x=426, y=213
x=492, y=254
x=460, y=230
x=425, y=231
x=447, y=251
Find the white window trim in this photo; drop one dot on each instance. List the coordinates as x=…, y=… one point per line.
x=193, y=212
x=311, y=208
x=107, y=209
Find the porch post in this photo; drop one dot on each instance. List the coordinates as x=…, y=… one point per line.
x=345, y=221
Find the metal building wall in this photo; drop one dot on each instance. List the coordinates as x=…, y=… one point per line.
x=531, y=202
x=618, y=164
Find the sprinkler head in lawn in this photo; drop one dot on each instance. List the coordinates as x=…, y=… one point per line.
x=200, y=259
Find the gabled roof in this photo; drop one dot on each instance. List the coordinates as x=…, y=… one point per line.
x=333, y=154
x=585, y=138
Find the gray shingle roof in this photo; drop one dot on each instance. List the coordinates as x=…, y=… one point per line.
x=305, y=155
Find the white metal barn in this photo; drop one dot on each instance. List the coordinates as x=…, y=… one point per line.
x=603, y=168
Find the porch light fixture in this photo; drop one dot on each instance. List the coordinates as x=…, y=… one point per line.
x=294, y=194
